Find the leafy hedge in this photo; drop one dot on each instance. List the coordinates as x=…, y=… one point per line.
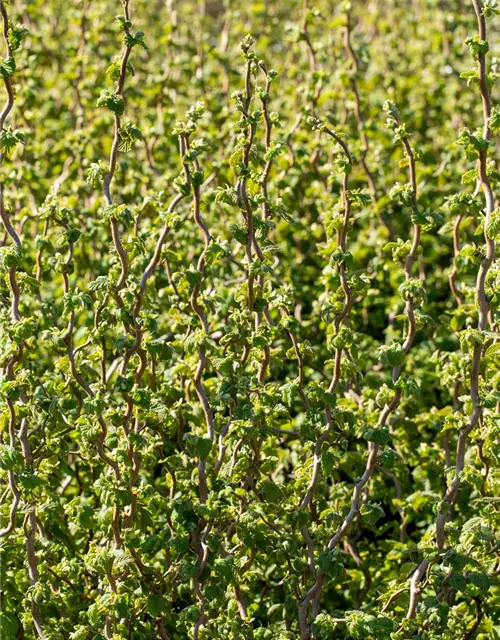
x=249, y=320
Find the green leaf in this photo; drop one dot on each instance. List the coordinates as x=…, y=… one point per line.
x=480, y=580
x=493, y=227
x=330, y=562
x=7, y=67
x=156, y=605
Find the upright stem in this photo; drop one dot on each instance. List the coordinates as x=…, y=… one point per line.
x=453, y=487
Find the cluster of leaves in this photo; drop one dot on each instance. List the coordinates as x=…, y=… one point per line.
x=249, y=320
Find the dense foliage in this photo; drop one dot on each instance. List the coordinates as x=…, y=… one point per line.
x=249, y=320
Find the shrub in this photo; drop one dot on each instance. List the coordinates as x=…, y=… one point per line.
x=249, y=320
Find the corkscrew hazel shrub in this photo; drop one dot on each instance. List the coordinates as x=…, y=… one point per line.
x=249, y=308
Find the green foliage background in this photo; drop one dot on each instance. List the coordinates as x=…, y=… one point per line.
x=250, y=377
